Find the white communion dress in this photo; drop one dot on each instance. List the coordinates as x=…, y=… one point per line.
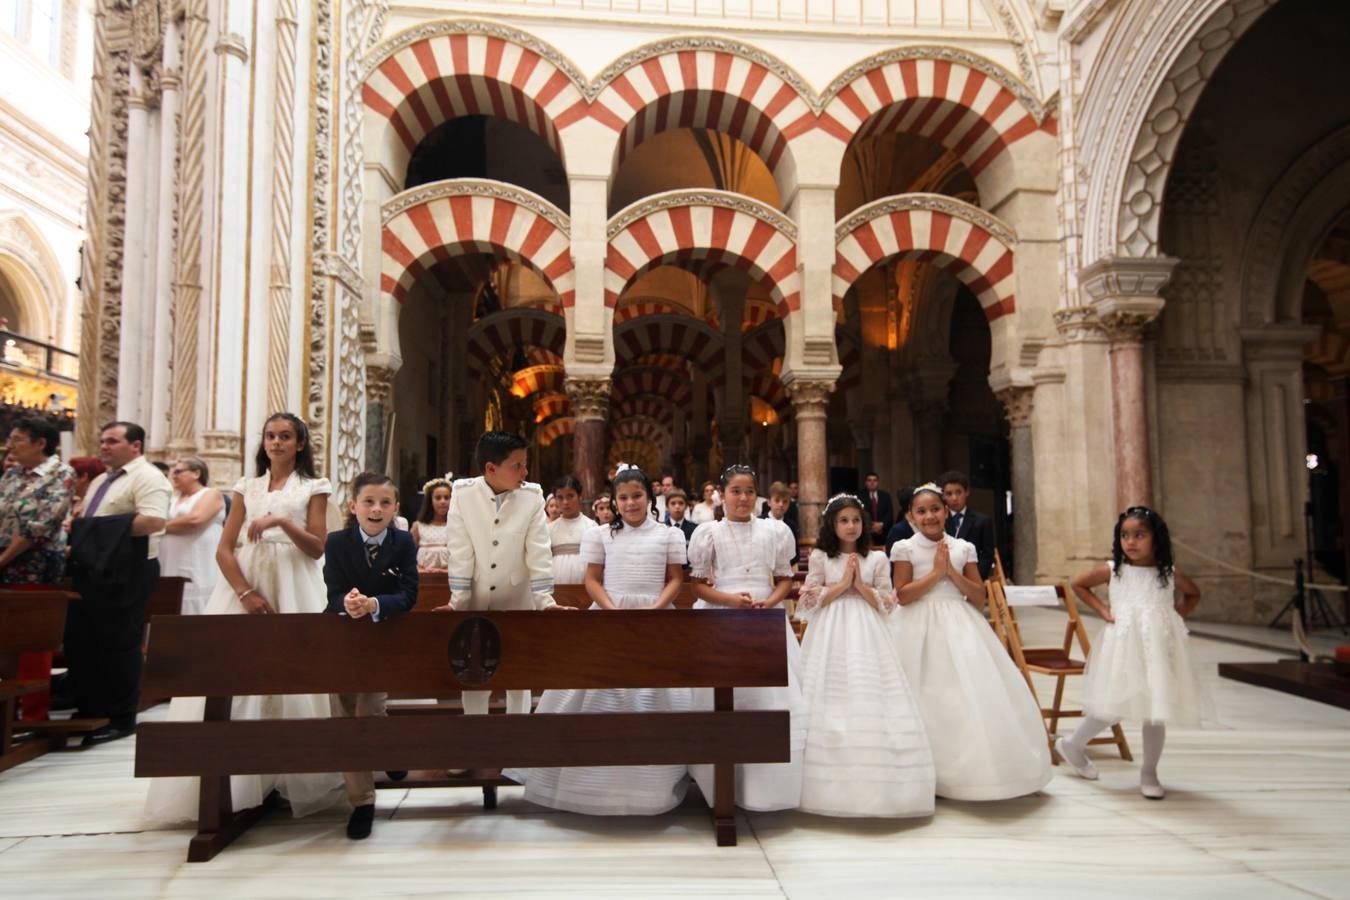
x=292, y=582
x=747, y=557
x=1140, y=667
x=192, y=555
x=565, y=538
x=433, y=547
x=984, y=727
x=635, y=561
x=866, y=749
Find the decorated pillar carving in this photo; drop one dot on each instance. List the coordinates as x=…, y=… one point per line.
x=1126, y=298
x=810, y=400
x=590, y=408
x=283, y=162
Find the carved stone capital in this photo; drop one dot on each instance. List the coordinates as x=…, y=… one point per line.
x=1127, y=277
x=589, y=397
x=1125, y=319
x=810, y=396
x=223, y=452
x=1079, y=323
x=1018, y=402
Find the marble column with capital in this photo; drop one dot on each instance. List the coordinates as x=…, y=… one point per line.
x=810, y=400
x=590, y=408
x=1018, y=402
x=1126, y=299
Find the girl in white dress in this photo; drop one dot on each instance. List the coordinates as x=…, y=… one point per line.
x=742, y=562
x=192, y=534
x=430, y=532
x=866, y=749
x=565, y=532
x=1140, y=668
x=603, y=509
x=269, y=557
x=984, y=727
x=634, y=563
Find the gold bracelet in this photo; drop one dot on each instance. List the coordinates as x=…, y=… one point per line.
x=240, y=597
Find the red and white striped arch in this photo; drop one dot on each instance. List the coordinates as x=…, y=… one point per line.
x=682, y=336
x=418, y=84
x=685, y=226
x=549, y=406
x=969, y=107
x=434, y=223
x=661, y=382
x=549, y=433
x=538, y=380
x=520, y=328
x=631, y=310
x=720, y=86
x=763, y=346
x=768, y=388
x=648, y=405
x=944, y=232
x=641, y=429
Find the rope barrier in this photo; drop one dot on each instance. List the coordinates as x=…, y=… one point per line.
x=1339, y=588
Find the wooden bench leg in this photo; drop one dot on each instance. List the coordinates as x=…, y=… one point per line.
x=217, y=823
x=489, y=797
x=724, y=782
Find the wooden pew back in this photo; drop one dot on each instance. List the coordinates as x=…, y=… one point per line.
x=431, y=654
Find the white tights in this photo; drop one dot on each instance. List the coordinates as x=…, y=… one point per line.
x=1155, y=734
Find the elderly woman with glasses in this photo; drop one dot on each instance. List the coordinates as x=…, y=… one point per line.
x=196, y=517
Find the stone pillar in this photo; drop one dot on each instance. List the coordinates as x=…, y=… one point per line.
x=1126, y=298
x=590, y=408
x=380, y=371
x=729, y=287
x=1018, y=403
x=810, y=399
x=136, y=336
x=932, y=379
x=157, y=428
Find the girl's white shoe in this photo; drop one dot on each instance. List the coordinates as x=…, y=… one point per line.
x=1077, y=760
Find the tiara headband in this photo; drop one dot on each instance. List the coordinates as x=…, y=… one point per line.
x=840, y=498
x=624, y=467
x=435, y=483
x=929, y=487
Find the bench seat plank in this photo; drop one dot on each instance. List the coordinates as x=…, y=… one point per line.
x=423, y=742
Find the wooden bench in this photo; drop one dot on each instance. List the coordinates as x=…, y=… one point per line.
x=433, y=654
x=31, y=621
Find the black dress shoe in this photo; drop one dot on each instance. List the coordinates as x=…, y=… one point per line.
x=397, y=774
x=107, y=733
x=358, y=826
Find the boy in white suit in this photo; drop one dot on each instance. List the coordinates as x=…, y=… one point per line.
x=500, y=556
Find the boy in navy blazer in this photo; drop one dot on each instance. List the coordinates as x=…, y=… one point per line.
x=370, y=568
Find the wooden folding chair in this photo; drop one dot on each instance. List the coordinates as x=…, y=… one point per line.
x=1056, y=662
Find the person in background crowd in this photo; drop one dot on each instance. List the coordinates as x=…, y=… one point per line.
x=967, y=524
x=192, y=535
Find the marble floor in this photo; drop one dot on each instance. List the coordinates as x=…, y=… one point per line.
x=1257, y=807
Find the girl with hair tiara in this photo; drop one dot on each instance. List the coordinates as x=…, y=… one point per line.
x=565, y=532
x=430, y=533
x=984, y=727
x=633, y=563
x=743, y=562
x=866, y=749
x=1140, y=668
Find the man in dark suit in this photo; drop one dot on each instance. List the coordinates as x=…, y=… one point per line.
x=965, y=523
x=370, y=569
x=901, y=530
x=878, y=505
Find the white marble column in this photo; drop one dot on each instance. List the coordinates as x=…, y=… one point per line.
x=157, y=426
x=136, y=344
x=1018, y=403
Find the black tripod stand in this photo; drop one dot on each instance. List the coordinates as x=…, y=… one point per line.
x=1311, y=604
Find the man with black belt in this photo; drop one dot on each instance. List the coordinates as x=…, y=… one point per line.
x=115, y=560
x=878, y=505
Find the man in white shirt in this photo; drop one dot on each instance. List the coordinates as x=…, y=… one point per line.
x=104, y=626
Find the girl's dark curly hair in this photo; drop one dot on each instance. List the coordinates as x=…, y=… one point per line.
x=828, y=540
x=632, y=473
x=1162, y=541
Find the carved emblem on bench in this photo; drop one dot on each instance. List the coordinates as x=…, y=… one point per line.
x=475, y=651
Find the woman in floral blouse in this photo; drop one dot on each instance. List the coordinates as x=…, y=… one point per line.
x=35, y=495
